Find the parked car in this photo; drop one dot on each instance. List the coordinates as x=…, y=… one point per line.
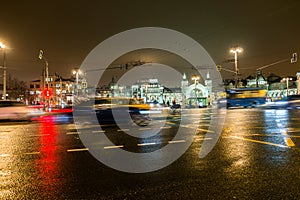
x=16, y=110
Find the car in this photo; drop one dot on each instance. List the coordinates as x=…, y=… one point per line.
x=293, y=102
x=16, y=111
x=289, y=102
x=112, y=110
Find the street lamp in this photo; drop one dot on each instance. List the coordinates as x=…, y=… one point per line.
x=42, y=57
x=287, y=84
x=2, y=46
x=195, y=79
x=46, y=79
x=76, y=73
x=235, y=51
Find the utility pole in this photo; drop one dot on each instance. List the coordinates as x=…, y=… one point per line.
x=2, y=46
x=4, y=75
x=236, y=50
x=41, y=56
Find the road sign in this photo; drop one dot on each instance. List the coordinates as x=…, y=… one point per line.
x=41, y=54
x=84, y=84
x=219, y=68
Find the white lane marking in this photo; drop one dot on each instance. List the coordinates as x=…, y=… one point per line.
x=207, y=125
x=32, y=153
x=98, y=131
x=201, y=139
x=175, y=141
x=208, y=131
x=144, y=129
x=113, y=147
x=146, y=144
x=186, y=126
x=73, y=133
x=123, y=130
x=172, y=123
x=5, y=155
x=165, y=127
x=74, y=150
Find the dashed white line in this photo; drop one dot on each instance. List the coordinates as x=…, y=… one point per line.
x=5, y=155
x=176, y=141
x=201, y=139
x=208, y=131
x=144, y=129
x=113, y=147
x=165, y=127
x=73, y=133
x=98, y=131
x=32, y=153
x=74, y=150
x=146, y=144
x=122, y=130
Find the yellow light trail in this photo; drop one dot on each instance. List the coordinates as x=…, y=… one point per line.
x=260, y=142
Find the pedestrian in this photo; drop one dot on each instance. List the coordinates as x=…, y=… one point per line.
x=174, y=102
x=208, y=101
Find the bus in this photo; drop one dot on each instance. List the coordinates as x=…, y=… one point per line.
x=245, y=97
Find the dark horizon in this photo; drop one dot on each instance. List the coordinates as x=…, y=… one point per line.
x=68, y=31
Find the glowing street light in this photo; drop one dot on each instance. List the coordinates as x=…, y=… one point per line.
x=235, y=51
x=287, y=84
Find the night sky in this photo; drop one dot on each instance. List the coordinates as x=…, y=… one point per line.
x=268, y=31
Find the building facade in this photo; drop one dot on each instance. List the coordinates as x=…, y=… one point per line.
x=62, y=90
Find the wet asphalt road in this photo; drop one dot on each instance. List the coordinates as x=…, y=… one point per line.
x=256, y=157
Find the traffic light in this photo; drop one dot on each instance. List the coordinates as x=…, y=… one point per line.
x=47, y=93
x=219, y=68
x=41, y=54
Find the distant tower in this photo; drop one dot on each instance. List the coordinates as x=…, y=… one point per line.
x=184, y=85
x=208, y=83
x=184, y=82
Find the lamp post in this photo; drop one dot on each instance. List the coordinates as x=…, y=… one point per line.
x=287, y=84
x=76, y=73
x=195, y=79
x=46, y=79
x=235, y=51
x=2, y=46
